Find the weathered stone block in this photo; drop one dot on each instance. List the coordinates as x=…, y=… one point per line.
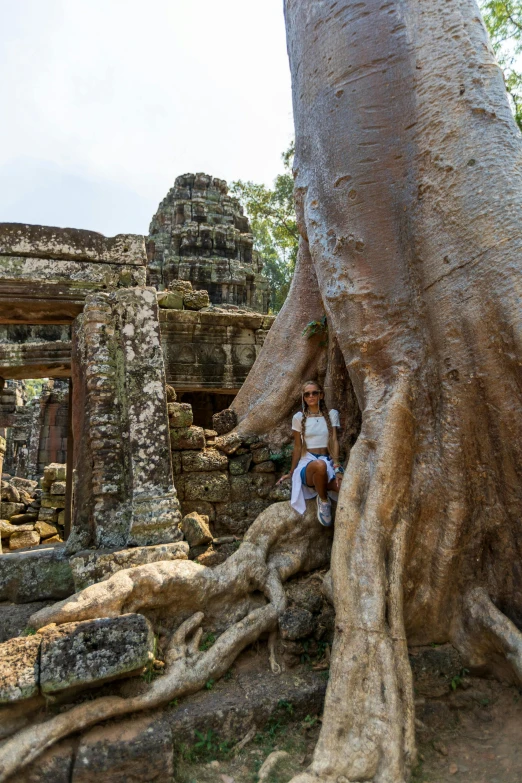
x=228, y=443
x=55, y=765
x=187, y=438
x=97, y=565
x=180, y=414
x=61, y=517
x=196, y=530
x=94, y=651
x=54, y=540
x=281, y=492
x=264, y=467
x=54, y=472
x=179, y=484
x=170, y=393
x=23, y=538
x=224, y=421
x=296, y=623
x=45, y=529
x=8, y=510
x=200, y=506
x=251, y=485
x=196, y=300
x=213, y=487
x=35, y=575
x=53, y=501
x=132, y=751
x=176, y=462
x=10, y=494
x=6, y=528
x=19, y=669
x=170, y=300
x=240, y=465
x=185, y=286
x=261, y=454
x=208, y=459
x=24, y=519
x=58, y=487
x=22, y=483
x=49, y=515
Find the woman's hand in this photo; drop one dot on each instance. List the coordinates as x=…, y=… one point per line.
x=283, y=478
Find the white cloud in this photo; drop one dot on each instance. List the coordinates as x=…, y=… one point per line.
x=107, y=101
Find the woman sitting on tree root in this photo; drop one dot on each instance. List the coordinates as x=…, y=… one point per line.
x=315, y=461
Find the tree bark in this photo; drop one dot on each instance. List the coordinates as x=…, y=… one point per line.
x=408, y=192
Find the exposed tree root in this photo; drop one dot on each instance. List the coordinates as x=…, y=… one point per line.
x=279, y=544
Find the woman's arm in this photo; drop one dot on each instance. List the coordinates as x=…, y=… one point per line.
x=334, y=446
x=296, y=456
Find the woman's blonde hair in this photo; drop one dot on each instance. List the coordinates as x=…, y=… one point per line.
x=322, y=409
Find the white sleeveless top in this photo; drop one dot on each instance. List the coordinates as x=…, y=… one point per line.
x=316, y=429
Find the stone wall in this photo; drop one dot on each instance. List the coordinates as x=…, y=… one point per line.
x=200, y=233
x=227, y=479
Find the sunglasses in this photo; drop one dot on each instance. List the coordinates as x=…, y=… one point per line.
x=311, y=394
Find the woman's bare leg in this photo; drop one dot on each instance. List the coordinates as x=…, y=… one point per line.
x=317, y=477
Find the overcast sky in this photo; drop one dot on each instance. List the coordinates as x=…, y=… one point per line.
x=105, y=102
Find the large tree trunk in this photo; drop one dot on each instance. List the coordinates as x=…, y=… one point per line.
x=408, y=189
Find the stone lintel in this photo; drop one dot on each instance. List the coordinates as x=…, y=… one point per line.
x=20, y=239
x=35, y=360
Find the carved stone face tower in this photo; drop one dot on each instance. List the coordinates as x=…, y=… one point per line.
x=200, y=233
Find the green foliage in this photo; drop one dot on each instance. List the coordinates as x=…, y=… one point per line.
x=209, y=684
x=503, y=20
x=207, y=642
x=33, y=387
x=317, y=327
x=207, y=747
x=28, y=632
x=272, y=217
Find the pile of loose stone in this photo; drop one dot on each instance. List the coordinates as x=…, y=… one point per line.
x=223, y=481
x=32, y=515
x=181, y=296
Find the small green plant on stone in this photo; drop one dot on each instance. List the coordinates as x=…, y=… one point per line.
x=209, y=684
x=207, y=642
x=458, y=679
x=28, y=632
x=207, y=747
x=317, y=327
x=286, y=705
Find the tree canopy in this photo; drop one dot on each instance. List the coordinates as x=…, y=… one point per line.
x=503, y=20
x=272, y=216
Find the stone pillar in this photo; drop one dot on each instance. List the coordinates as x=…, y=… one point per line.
x=124, y=493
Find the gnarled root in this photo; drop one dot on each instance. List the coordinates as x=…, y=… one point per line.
x=279, y=544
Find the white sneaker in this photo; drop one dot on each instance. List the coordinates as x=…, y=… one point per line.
x=324, y=512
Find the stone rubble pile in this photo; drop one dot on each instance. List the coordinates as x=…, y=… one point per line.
x=181, y=296
x=32, y=515
x=223, y=481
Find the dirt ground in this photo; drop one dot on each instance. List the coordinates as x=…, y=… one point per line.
x=473, y=734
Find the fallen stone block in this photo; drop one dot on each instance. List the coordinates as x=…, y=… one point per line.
x=224, y=421
x=201, y=506
x=180, y=414
x=196, y=300
x=296, y=623
x=21, y=539
x=54, y=540
x=24, y=519
x=170, y=300
x=58, y=488
x=10, y=494
x=239, y=465
x=212, y=487
x=196, y=530
x=8, y=510
x=45, y=530
x=49, y=515
x=35, y=575
x=54, y=472
x=94, y=566
x=132, y=751
x=229, y=444
x=22, y=483
x=6, y=528
x=201, y=461
x=185, y=286
x=187, y=438
x=54, y=501
x=75, y=655
x=19, y=668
